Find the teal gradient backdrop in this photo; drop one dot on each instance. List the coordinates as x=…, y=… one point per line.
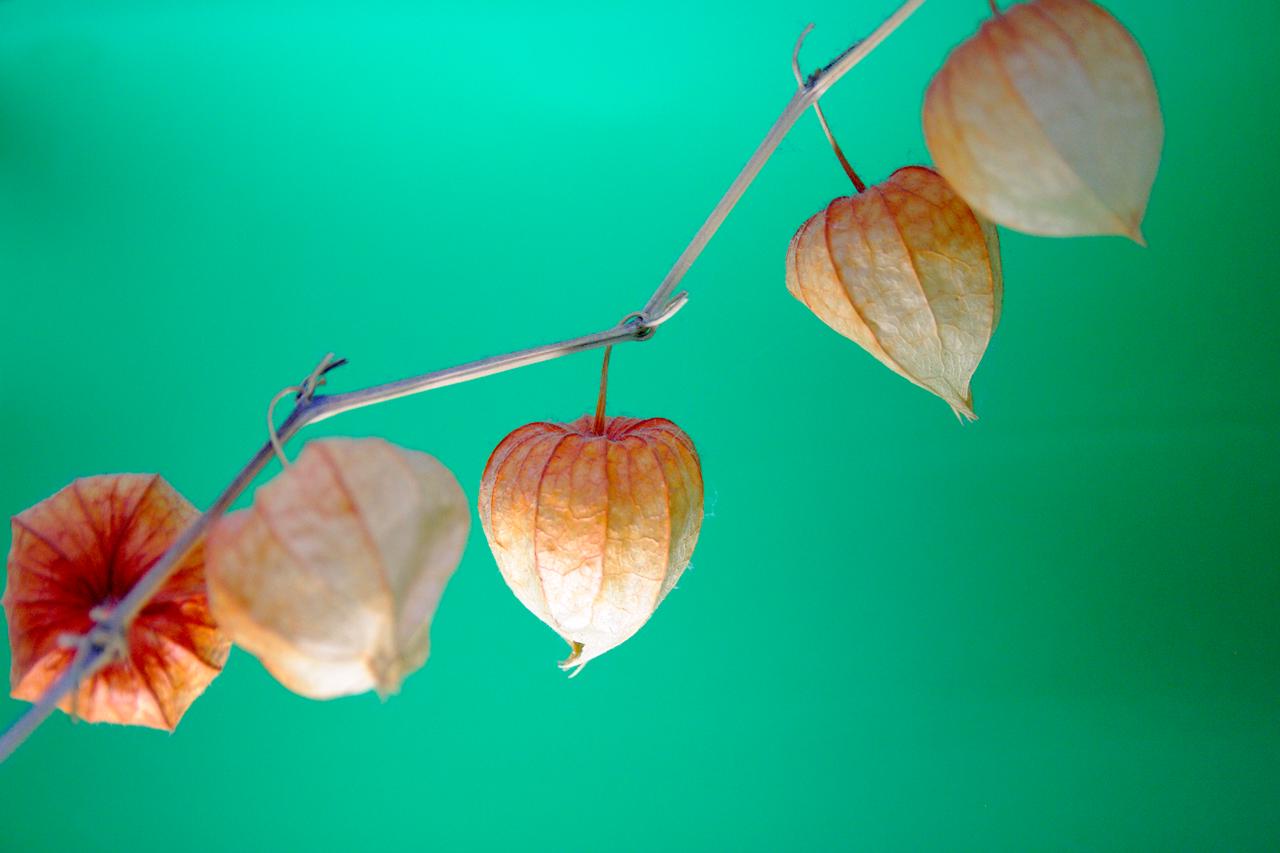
x=1054, y=629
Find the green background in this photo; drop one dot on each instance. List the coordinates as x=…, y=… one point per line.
x=1054, y=629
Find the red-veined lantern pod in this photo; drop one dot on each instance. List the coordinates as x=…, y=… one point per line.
x=593, y=522
x=1047, y=121
x=78, y=553
x=332, y=577
x=908, y=272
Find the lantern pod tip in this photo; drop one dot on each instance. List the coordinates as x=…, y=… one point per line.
x=964, y=411
x=574, y=661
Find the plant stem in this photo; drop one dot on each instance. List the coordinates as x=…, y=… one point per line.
x=805, y=97
x=311, y=408
x=598, y=425
x=858, y=185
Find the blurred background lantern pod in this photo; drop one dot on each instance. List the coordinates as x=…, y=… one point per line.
x=74, y=556
x=1047, y=121
x=593, y=522
x=908, y=272
x=332, y=577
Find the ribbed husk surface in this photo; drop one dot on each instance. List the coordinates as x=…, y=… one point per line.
x=332, y=577
x=85, y=548
x=1047, y=121
x=591, y=531
x=908, y=272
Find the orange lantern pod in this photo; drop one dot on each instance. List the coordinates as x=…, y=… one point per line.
x=77, y=554
x=593, y=522
x=332, y=577
x=1047, y=121
x=909, y=273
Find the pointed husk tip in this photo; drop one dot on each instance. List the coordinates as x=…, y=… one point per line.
x=574, y=661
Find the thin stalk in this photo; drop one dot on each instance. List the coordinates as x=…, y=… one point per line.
x=598, y=426
x=312, y=408
x=858, y=185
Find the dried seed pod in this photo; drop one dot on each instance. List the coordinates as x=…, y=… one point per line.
x=592, y=522
x=332, y=577
x=909, y=273
x=78, y=553
x=1047, y=121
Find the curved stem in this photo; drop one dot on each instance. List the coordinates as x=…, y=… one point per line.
x=858, y=185
x=312, y=408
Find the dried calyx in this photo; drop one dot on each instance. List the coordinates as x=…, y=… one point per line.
x=1047, y=121
x=592, y=522
x=74, y=556
x=909, y=272
x=332, y=577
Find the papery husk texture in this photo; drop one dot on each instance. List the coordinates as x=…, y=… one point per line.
x=332, y=577
x=908, y=272
x=1047, y=121
x=592, y=530
x=83, y=550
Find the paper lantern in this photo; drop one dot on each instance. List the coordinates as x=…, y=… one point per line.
x=1047, y=121
x=74, y=556
x=909, y=273
x=592, y=523
x=332, y=577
